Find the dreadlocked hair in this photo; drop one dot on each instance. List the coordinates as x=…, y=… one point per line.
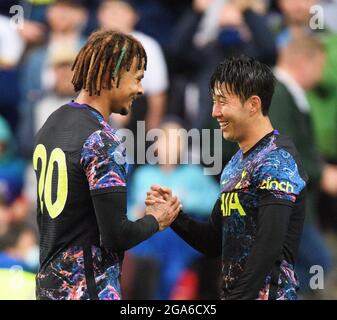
x=103, y=58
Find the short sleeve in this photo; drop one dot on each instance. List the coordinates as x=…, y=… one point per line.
x=277, y=178
x=103, y=162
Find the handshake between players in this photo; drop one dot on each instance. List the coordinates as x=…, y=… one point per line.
x=162, y=205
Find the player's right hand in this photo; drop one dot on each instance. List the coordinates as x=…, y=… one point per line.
x=165, y=212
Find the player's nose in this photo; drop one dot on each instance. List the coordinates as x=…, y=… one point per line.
x=140, y=90
x=216, y=112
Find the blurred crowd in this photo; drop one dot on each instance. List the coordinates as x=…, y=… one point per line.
x=184, y=41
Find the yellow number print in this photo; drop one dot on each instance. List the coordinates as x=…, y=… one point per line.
x=40, y=153
x=45, y=182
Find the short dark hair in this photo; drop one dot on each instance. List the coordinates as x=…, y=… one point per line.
x=245, y=77
x=106, y=52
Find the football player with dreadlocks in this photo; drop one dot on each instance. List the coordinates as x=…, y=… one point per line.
x=81, y=212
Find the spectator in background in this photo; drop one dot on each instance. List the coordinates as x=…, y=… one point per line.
x=4, y=215
x=66, y=19
x=323, y=107
x=322, y=97
x=212, y=30
x=14, y=206
x=11, y=50
x=61, y=61
x=34, y=30
x=19, y=258
x=18, y=247
x=161, y=260
x=37, y=9
x=11, y=44
x=300, y=68
x=158, y=18
x=11, y=166
x=296, y=15
x=121, y=16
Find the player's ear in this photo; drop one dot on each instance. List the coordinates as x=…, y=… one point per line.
x=254, y=105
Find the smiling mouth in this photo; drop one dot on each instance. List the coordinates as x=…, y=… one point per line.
x=223, y=124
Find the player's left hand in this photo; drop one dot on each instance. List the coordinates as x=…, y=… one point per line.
x=158, y=194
